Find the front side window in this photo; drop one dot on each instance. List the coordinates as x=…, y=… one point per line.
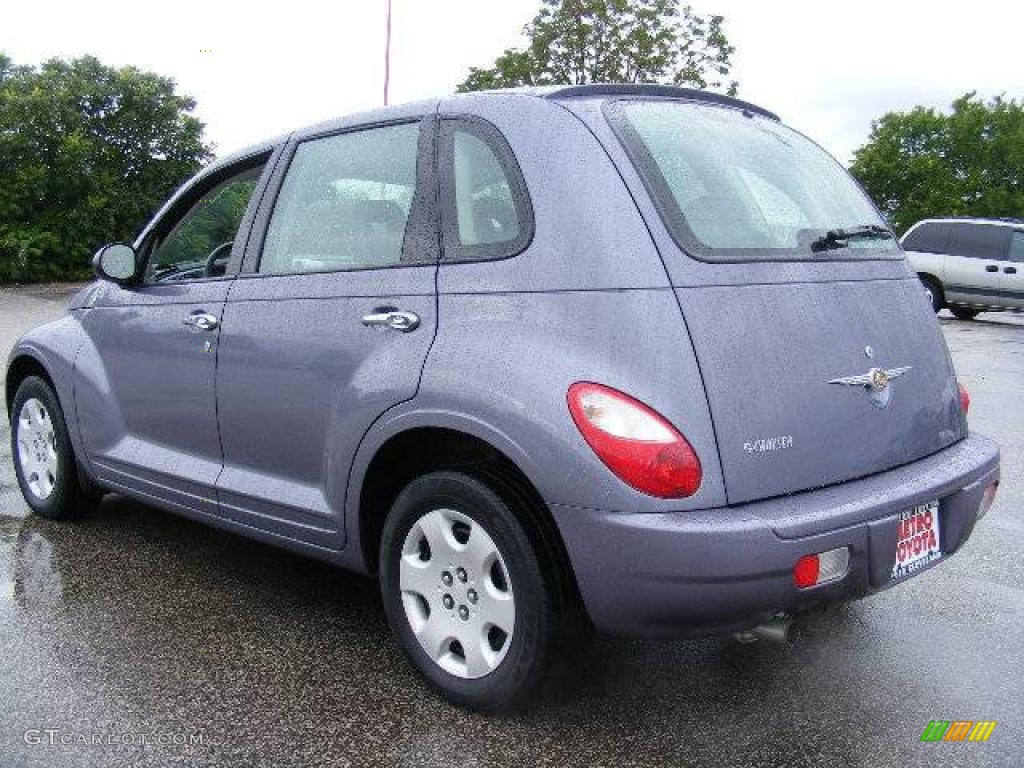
x=199, y=244
x=928, y=238
x=733, y=186
x=487, y=204
x=344, y=203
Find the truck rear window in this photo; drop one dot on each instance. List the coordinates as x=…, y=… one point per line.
x=734, y=186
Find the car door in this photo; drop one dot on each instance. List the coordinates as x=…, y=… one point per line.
x=974, y=269
x=329, y=324
x=145, y=383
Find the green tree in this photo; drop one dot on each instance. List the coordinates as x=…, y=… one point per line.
x=614, y=41
x=969, y=162
x=87, y=153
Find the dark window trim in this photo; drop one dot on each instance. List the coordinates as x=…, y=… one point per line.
x=423, y=208
x=671, y=215
x=454, y=251
x=184, y=202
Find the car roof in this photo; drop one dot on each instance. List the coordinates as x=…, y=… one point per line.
x=999, y=222
x=549, y=92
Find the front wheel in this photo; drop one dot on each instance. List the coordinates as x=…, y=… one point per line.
x=44, y=460
x=933, y=292
x=963, y=313
x=465, y=592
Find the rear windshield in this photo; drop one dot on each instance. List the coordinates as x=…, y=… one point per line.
x=734, y=186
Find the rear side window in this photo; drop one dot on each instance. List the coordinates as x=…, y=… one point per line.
x=979, y=241
x=344, y=203
x=734, y=186
x=1017, y=246
x=486, y=209
x=930, y=237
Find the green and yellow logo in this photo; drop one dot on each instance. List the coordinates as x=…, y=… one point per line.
x=958, y=730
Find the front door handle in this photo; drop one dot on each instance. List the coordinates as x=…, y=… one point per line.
x=396, y=319
x=991, y=268
x=200, y=321
x=1010, y=270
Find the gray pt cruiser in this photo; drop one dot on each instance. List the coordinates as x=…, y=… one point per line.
x=628, y=357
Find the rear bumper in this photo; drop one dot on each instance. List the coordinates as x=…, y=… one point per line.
x=728, y=569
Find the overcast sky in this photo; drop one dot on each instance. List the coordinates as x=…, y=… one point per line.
x=258, y=69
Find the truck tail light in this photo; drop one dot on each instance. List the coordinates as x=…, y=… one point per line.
x=965, y=398
x=634, y=441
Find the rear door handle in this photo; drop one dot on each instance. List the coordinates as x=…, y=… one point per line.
x=1010, y=270
x=200, y=321
x=396, y=319
x=991, y=268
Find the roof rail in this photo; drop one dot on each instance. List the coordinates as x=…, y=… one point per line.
x=652, y=89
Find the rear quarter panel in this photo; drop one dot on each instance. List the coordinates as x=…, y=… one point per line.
x=587, y=300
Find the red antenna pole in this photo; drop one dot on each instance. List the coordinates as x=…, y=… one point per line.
x=387, y=56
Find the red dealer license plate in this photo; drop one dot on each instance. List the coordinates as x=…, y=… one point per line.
x=917, y=539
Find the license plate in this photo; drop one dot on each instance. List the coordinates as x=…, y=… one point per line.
x=917, y=539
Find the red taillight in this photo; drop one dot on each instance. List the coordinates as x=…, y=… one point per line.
x=805, y=572
x=965, y=398
x=634, y=441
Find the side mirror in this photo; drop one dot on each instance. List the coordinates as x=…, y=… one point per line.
x=115, y=262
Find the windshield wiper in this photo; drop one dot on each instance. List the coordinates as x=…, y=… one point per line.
x=837, y=238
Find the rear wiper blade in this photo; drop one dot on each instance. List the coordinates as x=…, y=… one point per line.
x=837, y=238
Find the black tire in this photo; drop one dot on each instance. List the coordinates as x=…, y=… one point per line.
x=934, y=292
x=67, y=498
x=536, y=624
x=963, y=313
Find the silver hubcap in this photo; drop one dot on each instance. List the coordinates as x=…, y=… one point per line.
x=37, y=448
x=456, y=593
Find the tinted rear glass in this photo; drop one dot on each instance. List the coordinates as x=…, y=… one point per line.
x=930, y=237
x=979, y=241
x=734, y=186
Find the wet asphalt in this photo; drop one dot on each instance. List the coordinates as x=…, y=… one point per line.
x=133, y=627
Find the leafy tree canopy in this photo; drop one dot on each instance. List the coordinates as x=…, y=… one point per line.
x=87, y=153
x=614, y=41
x=925, y=163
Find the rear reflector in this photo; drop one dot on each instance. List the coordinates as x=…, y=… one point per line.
x=811, y=570
x=965, y=398
x=987, y=498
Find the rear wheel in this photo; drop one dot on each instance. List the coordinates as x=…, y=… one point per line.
x=963, y=313
x=933, y=291
x=466, y=593
x=44, y=460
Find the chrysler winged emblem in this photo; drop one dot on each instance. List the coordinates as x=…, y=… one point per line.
x=876, y=382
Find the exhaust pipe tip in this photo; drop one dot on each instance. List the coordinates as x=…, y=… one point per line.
x=775, y=630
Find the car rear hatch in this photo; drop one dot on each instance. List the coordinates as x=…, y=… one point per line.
x=787, y=369
x=821, y=359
